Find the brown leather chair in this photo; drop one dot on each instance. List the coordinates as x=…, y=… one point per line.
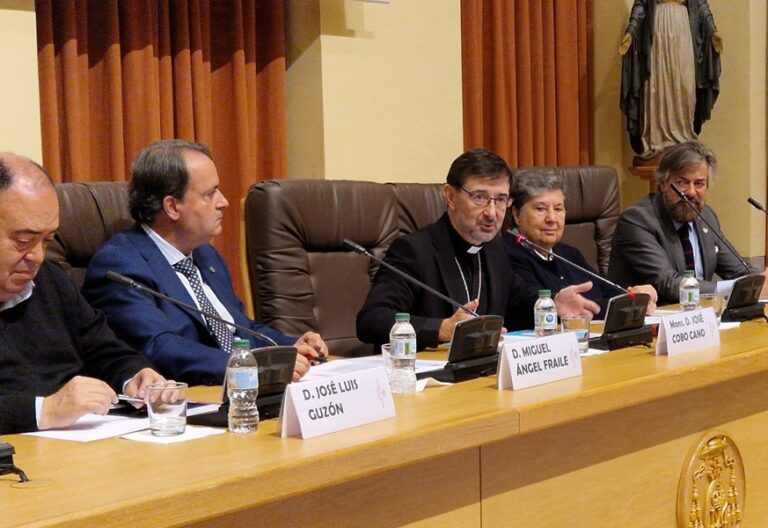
x=90, y=213
x=303, y=277
x=592, y=204
x=418, y=204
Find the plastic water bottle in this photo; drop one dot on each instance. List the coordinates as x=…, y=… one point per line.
x=242, y=388
x=545, y=314
x=689, y=291
x=402, y=354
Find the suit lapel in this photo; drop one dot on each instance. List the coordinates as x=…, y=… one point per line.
x=213, y=274
x=446, y=263
x=167, y=280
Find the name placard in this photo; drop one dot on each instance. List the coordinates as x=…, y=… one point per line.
x=530, y=362
x=315, y=408
x=686, y=331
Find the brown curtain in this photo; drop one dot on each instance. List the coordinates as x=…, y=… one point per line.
x=116, y=75
x=526, y=79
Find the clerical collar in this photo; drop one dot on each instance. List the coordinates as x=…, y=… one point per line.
x=461, y=246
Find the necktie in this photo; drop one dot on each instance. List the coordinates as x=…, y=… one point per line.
x=685, y=241
x=218, y=329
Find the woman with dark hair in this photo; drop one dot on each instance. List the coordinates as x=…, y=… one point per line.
x=538, y=212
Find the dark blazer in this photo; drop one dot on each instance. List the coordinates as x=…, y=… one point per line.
x=646, y=250
x=178, y=342
x=556, y=275
x=428, y=255
x=47, y=340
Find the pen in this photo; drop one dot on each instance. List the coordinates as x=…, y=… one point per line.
x=130, y=399
x=315, y=360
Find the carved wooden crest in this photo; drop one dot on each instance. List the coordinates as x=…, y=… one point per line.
x=712, y=487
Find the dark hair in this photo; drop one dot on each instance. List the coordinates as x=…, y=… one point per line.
x=477, y=162
x=682, y=156
x=527, y=183
x=159, y=171
x=6, y=178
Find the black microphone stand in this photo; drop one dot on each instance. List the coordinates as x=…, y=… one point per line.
x=130, y=283
x=757, y=205
x=268, y=404
x=720, y=237
x=357, y=248
x=520, y=239
x=6, y=462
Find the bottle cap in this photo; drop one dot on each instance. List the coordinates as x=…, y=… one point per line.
x=545, y=293
x=239, y=342
x=401, y=316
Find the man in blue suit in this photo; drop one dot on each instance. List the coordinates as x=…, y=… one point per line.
x=175, y=199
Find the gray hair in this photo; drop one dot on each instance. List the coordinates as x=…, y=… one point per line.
x=527, y=183
x=682, y=156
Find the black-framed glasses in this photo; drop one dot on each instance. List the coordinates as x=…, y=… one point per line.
x=482, y=199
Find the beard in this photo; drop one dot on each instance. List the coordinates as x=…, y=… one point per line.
x=680, y=211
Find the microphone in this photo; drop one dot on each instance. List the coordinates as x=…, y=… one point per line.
x=6, y=462
x=757, y=205
x=130, y=283
x=357, y=248
x=520, y=239
x=722, y=239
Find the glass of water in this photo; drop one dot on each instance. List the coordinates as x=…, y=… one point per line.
x=167, y=408
x=580, y=326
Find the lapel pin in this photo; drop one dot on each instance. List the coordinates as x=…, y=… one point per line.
x=211, y=269
x=706, y=230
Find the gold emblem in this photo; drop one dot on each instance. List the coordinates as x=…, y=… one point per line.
x=712, y=487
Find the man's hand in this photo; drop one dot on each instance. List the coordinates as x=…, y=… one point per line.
x=312, y=346
x=136, y=387
x=77, y=397
x=570, y=302
x=626, y=42
x=651, y=291
x=301, y=367
x=447, y=326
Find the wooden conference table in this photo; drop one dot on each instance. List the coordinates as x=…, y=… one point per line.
x=605, y=449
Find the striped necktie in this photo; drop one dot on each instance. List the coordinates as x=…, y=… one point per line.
x=219, y=330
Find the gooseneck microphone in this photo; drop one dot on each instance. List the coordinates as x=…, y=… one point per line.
x=757, y=205
x=520, y=239
x=357, y=248
x=130, y=283
x=720, y=237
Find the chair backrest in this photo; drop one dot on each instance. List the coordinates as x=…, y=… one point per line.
x=90, y=213
x=592, y=204
x=418, y=205
x=302, y=276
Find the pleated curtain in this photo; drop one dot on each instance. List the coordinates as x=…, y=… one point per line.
x=526, y=79
x=116, y=75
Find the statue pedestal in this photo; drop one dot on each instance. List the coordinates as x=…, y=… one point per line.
x=645, y=169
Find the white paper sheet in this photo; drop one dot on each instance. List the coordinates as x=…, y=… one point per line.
x=191, y=432
x=97, y=427
x=349, y=365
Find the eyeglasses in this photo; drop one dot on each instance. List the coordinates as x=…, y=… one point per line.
x=481, y=199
